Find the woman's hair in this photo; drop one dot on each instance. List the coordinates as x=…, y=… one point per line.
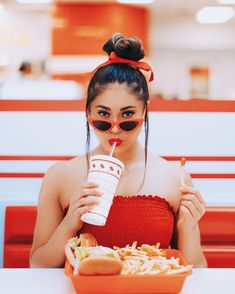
x=25, y=65
x=128, y=48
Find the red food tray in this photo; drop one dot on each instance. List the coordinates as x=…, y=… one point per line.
x=135, y=284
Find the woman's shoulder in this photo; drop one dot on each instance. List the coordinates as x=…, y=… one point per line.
x=163, y=165
x=173, y=170
x=65, y=168
x=66, y=176
x=167, y=179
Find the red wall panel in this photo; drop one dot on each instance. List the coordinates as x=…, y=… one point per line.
x=79, y=28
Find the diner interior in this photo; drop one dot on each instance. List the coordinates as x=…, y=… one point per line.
x=46, y=50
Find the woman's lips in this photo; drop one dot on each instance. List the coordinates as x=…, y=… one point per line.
x=117, y=140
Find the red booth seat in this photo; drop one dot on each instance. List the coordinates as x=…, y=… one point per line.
x=217, y=229
x=217, y=236
x=18, y=236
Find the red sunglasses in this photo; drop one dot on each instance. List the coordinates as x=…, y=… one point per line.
x=104, y=125
x=124, y=125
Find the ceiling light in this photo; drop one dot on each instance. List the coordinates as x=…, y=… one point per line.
x=214, y=14
x=226, y=1
x=34, y=1
x=135, y=1
x=1, y=8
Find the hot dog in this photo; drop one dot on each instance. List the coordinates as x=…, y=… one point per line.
x=87, y=258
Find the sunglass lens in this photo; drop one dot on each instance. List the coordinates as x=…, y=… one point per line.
x=101, y=125
x=128, y=125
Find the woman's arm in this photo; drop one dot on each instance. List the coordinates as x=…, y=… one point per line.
x=190, y=245
x=192, y=208
x=52, y=253
x=52, y=229
x=51, y=233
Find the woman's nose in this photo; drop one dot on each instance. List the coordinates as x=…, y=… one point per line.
x=115, y=129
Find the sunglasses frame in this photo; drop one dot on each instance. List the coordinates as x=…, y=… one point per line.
x=115, y=123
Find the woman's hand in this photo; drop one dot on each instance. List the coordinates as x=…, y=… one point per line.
x=192, y=208
x=80, y=204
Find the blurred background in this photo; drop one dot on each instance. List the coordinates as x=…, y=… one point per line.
x=190, y=45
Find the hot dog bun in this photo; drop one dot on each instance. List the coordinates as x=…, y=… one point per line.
x=100, y=265
x=87, y=258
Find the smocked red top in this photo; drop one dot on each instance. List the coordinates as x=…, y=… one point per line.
x=145, y=219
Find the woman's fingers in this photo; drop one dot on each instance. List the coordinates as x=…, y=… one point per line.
x=91, y=191
x=84, y=209
x=192, y=190
x=194, y=199
x=185, y=211
x=191, y=202
x=90, y=185
x=84, y=193
x=88, y=201
x=84, y=201
x=192, y=209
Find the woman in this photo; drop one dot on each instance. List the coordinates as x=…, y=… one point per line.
x=150, y=206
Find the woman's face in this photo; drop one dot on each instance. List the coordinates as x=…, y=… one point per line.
x=117, y=103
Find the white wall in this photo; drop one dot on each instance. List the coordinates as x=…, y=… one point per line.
x=171, y=68
x=182, y=32
x=179, y=42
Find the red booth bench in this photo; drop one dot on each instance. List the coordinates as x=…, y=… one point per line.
x=18, y=236
x=217, y=236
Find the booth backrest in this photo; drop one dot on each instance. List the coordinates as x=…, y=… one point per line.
x=217, y=226
x=217, y=229
x=18, y=236
x=217, y=235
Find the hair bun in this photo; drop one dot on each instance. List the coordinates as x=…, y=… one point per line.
x=129, y=48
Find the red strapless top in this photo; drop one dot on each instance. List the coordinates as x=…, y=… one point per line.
x=145, y=219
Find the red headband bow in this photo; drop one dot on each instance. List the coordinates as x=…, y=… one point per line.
x=113, y=58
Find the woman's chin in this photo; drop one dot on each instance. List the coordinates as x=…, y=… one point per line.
x=118, y=150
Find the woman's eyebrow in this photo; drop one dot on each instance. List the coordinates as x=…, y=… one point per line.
x=102, y=106
x=121, y=109
x=127, y=107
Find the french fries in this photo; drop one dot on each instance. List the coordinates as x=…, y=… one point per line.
x=149, y=260
x=182, y=171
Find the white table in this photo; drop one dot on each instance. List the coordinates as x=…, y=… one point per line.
x=47, y=281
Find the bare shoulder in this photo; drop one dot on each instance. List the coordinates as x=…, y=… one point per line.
x=164, y=165
x=70, y=175
x=63, y=174
x=64, y=169
x=172, y=170
x=166, y=177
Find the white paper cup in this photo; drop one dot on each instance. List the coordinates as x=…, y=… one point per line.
x=105, y=170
